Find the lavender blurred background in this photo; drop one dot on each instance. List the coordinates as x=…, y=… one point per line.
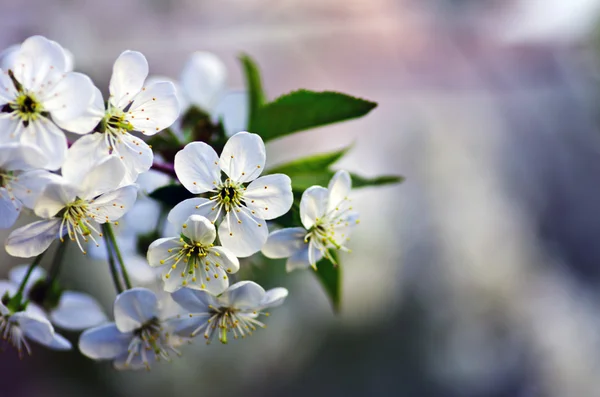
x=479, y=276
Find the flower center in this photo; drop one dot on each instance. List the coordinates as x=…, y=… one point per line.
x=229, y=195
x=150, y=337
x=27, y=107
x=228, y=320
x=78, y=221
x=11, y=332
x=191, y=260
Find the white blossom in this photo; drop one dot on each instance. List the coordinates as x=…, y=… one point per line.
x=24, y=323
x=138, y=337
x=20, y=183
x=75, y=207
x=204, y=85
x=39, y=95
x=73, y=311
x=242, y=202
x=133, y=106
x=193, y=260
x=327, y=217
x=235, y=311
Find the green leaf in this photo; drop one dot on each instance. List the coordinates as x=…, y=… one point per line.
x=303, y=180
x=330, y=276
x=171, y=195
x=256, y=94
x=303, y=109
x=316, y=163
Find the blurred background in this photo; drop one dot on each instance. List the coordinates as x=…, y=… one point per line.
x=477, y=277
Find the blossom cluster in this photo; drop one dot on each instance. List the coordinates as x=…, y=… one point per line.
x=75, y=161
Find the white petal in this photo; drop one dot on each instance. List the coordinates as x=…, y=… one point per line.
x=9, y=209
x=31, y=184
x=284, y=243
x=233, y=111
x=35, y=327
x=104, y=177
x=7, y=287
x=77, y=311
x=89, y=117
x=15, y=156
x=69, y=97
x=270, y=196
x=49, y=139
x=243, y=234
x=135, y=154
x=313, y=205
x=181, y=98
x=339, y=188
x=7, y=56
x=17, y=274
x=226, y=259
x=274, y=297
x=134, y=307
x=194, y=301
x=154, y=108
x=111, y=206
x=197, y=167
x=33, y=239
x=59, y=343
x=54, y=198
x=11, y=128
x=129, y=72
x=243, y=157
x=38, y=61
x=200, y=230
x=159, y=251
x=243, y=295
x=104, y=342
x=203, y=79
x=83, y=155
x=299, y=260
x=194, y=206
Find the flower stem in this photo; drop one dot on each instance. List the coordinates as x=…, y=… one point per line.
x=57, y=261
x=114, y=272
x=115, y=246
x=33, y=265
x=165, y=168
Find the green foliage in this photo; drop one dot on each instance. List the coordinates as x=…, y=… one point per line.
x=171, y=195
x=303, y=109
x=310, y=164
x=330, y=276
x=256, y=94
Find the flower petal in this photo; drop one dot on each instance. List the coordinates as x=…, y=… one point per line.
x=68, y=98
x=37, y=61
x=59, y=342
x=243, y=234
x=31, y=184
x=194, y=301
x=104, y=342
x=83, y=155
x=270, y=196
x=35, y=327
x=274, y=297
x=225, y=258
x=134, y=307
x=233, y=111
x=243, y=157
x=104, y=177
x=299, y=260
x=313, y=205
x=9, y=209
x=197, y=167
x=339, y=189
x=244, y=295
x=11, y=128
x=129, y=72
x=203, y=79
x=154, y=108
x=199, y=229
x=159, y=251
x=111, y=206
x=54, y=197
x=284, y=243
x=7, y=88
x=88, y=118
x=77, y=311
x=33, y=239
x=49, y=139
x=194, y=206
x=15, y=156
